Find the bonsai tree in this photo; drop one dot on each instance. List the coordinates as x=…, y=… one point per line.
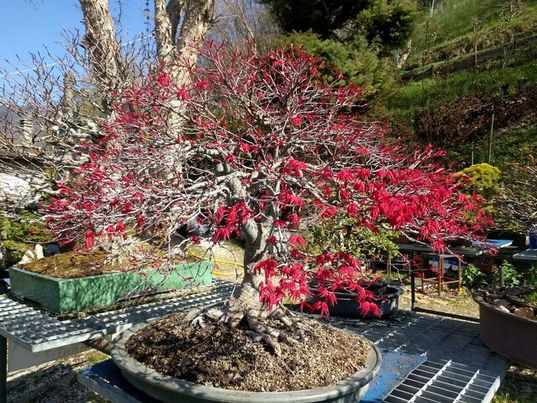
x=515, y=207
x=269, y=146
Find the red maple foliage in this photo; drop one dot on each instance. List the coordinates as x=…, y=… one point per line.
x=267, y=147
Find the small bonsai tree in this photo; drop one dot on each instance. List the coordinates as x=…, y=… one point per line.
x=268, y=147
x=515, y=207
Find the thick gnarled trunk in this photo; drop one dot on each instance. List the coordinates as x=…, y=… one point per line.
x=255, y=235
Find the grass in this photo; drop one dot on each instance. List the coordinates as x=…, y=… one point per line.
x=459, y=24
x=518, y=144
x=519, y=385
x=96, y=357
x=452, y=302
x=437, y=91
x=512, y=143
x=450, y=34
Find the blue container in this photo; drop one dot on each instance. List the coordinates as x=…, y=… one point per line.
x=533, y=240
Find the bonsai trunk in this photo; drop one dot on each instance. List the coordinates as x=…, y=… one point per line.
x=245, y=307
x=255, y=235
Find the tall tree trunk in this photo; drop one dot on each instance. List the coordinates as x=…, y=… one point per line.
x=166, y=49
x=174, y=13
x=197, y=21
x=101, y=43
x=107, y=64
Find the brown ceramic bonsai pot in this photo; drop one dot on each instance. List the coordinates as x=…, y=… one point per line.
x=509, y=335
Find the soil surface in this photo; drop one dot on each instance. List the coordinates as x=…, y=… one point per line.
x=84, y=264
x=224, y=357
x=72, y=265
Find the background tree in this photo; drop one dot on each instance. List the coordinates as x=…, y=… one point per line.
x=269, y=147
x=319, y=16
x=245, y=20
x=386, y=23
x=53, y=107
x=368, y=41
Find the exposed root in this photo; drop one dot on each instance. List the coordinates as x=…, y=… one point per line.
x=290, y=319
x=271, y=335
x=265, y=338
x=282, y=317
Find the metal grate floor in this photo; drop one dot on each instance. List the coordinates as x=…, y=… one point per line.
x=37, y=331
x=459, y=367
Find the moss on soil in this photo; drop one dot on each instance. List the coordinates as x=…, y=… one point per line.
x=94, y=263
x=72, y=265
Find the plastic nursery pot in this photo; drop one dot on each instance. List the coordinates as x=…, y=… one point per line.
x=485, y=264
x=169, y=389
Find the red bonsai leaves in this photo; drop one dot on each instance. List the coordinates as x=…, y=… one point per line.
x=264, y=141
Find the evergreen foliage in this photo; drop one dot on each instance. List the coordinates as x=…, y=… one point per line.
x=319, y=16
x=359, y=62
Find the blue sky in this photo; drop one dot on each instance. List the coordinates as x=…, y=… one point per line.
x=31, y=25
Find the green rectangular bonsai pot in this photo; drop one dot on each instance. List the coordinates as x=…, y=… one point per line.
x=60, y=295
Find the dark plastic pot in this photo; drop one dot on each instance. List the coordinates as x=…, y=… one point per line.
x=485, y=264
x=169, y=389
x=509, y=335
x=387, y=299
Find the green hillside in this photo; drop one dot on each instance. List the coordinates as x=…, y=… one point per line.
x=470, y=60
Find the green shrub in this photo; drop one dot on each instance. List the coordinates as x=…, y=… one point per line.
x=532, y=297
x=530, y=276
x=484, y=179
x=472, y=276
x=347, y=236
x=510, y=275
